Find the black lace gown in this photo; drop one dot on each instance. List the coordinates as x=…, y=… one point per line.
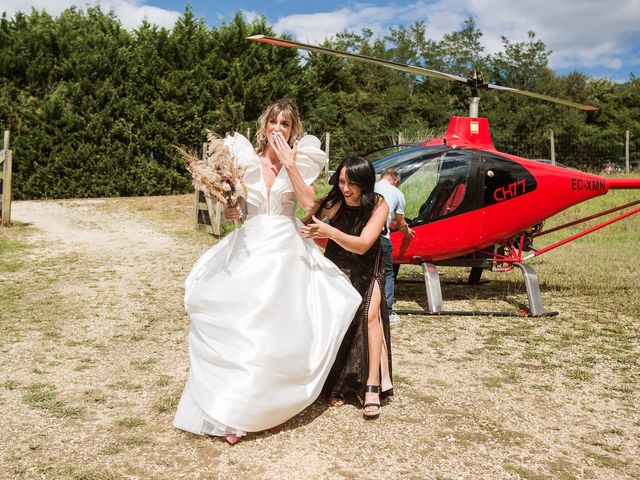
x=350, y=370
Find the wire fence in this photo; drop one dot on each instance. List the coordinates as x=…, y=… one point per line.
x=575, y=151
x=571, y=150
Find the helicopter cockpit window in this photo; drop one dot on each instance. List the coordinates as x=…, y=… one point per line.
x=434, y=183
x=418, y=168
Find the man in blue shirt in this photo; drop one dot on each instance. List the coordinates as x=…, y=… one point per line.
x=396, y=201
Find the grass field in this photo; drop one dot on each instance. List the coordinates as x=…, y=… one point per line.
x=93, y=358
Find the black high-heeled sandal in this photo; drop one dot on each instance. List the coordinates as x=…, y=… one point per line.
x=375, y=413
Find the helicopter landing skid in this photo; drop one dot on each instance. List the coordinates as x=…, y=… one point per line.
x=479, y=313
x=435, y=303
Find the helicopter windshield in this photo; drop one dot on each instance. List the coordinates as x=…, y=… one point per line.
x=433, y=180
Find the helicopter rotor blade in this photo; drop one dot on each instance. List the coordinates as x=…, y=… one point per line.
x=541, y=96
x=414, y=70
x=362, y=58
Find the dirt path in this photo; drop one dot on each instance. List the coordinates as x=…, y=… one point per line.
x=93, y=358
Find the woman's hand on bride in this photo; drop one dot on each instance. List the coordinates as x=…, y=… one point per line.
x=317, y=229
x=232, y=213
x=286, y=154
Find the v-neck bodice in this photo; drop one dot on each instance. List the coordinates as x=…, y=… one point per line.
x=280, y=199
x=262, y=171
x=264, y=182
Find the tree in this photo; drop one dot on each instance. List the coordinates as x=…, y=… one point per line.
x=95, y=109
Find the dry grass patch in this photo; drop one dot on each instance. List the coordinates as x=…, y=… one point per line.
x=45, y=397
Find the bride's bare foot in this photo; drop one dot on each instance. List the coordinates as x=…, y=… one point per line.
x=277, y=428
x=336, y=399
x=232, y=439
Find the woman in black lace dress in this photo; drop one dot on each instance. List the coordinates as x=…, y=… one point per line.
x=357, y=216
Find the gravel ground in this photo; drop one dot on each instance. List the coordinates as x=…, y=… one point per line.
x=93, y=358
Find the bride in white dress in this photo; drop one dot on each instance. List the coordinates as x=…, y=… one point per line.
x=268, y=312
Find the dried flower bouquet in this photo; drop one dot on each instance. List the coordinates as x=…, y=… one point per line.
x=218, y=174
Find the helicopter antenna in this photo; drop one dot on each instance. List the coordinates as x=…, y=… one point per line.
x=474, y=82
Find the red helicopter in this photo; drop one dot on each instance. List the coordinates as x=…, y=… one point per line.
x=462, y=194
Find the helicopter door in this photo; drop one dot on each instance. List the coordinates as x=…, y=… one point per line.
x=504, y=179
x=440, y=188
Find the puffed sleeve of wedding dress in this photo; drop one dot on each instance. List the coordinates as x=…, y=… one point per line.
x=241, y=148
x=244, y=154
x=310, y=158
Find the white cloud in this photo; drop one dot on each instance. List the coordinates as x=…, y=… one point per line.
x=580, y=33
x=130, y=12
x=250, y=15
x=587, y=33
x=316, y=27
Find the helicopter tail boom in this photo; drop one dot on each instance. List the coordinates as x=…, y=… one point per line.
x=624, y=183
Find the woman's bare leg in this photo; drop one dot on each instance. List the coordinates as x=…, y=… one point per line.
x=375, y=339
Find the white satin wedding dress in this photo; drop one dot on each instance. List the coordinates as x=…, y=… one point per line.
x=268, y=312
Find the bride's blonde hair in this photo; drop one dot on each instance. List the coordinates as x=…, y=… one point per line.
x=289, y=109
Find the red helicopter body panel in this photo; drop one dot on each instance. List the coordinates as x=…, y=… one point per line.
x=515, y=209
x=466, y=132
x=507, y=195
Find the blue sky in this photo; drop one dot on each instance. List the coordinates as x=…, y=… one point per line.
x=598, y=37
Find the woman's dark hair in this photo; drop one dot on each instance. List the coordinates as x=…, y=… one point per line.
x=360, y=172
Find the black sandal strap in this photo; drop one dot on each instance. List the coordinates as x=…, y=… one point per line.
x=372, y=389
x=370, y=405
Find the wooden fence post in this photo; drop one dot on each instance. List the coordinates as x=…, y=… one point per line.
x=552, y=147
x=6, y=160
x=197, y=205
x=207, y=211
x=626, y=152
x=214, y=214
